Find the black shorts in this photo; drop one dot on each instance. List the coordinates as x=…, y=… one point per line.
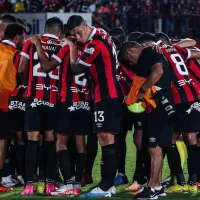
x=5, y=132
x=74, y=118
x=39, y=115
x=108, y=116
x=159, y=128
x=189, y=114
x=16, y=113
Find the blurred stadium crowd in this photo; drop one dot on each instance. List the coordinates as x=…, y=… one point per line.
x=177, y=18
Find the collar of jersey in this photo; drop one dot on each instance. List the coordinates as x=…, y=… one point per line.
x=50, y=35
x=9, y=42
x=92, y=33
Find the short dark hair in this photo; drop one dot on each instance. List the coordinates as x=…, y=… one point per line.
x=54, y=25
x=13, y=30
x=163, y=37
x=66, y=31
x=134, y=35
x=74, y=21
x=8, y=19
x=124, y=48
x=22, y=22
x=118, y=35
x=146, y=37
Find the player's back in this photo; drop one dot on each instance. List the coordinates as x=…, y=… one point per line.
x=42, y=85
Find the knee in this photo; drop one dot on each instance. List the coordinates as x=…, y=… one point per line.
x=106, y=139
x=61, y=144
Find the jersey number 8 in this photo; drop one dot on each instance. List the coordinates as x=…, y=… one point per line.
x=180, y=65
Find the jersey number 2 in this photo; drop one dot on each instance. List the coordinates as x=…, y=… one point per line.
x=38, y=66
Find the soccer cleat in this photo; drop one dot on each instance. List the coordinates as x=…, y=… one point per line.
x=113, y=190
x=8, y=181
x=50, y=188
x=198, y=185
x=41, y=188
x=77, y=188
x=86, y=179
x=64, y=190
x=134, y=187
x=161, y=192
x=121, y=179
x=146, y=193
x=28, y=190
x=177, y=188
x=97, y=192
x=192, y=188
x=5, y=189
x=20, y=180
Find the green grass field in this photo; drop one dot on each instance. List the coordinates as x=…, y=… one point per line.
x=121, y=193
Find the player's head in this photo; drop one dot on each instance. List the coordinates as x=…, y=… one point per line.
x=79, y=28
x=134, y=36
x=130, y=52
x=163, y=37
x=146, y=38
x=16, y=33
x=118, y=36
x=4, y=21
x=22, y=22
x=54, y=26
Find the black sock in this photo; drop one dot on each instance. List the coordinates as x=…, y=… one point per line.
x=7, y=163
x=13, y=158
x=175, y=160
x=1, y=173
x=198, y=171
x=192, y=166
x=80, y=165
x=109, y=155
x=50, y=160
x=121, y=145
x=30, y=160
x=92, y=148
x=20, y=159
x=71, y=146
x=41, y=164
x=137, y=166
x=64, y=163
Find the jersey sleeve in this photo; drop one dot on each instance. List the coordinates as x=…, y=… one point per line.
x=89, y=54
x=60, y=53
x=25, y=49
x=16, y=60
x=153, y=58
x=185, y=52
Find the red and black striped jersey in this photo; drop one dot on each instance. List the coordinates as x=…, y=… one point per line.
x=41, y=85
x=125, y=78
x=72, y=88
x=100, y=56
x=185, y=87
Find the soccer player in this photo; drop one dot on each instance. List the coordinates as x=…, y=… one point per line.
x=99, y=60
x=74, y=105
x=4, y=21
x=185, y=88
x=154, y=67
x=40, y=109
x=14, y=38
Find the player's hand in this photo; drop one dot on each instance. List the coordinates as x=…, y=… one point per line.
x=140, y=97
x=71, y=40
x=153, y=46
x=35, y=39
x=137, y=139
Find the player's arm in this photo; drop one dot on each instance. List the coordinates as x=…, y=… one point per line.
x=46, y=63
x=187, y=42
x=82, y=63
x=154, y=77
x=22, y=69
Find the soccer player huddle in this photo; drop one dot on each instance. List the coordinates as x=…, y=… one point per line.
x=78, y=83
